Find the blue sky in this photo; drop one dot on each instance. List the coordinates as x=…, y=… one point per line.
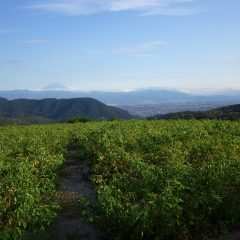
x=120, y=44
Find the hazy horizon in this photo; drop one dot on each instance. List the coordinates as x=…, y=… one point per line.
x=119, y=45
x=203, y=91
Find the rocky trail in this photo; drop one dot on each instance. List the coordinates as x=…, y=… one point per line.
x=73, y=184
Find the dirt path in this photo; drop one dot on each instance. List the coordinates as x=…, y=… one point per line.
x=231, y=236
x=73, y=184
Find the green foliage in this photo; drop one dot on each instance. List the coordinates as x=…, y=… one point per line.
x=154, y=179
x=165, y=179
x=79, y=119
x=58, y=109
x=29, y=160
x=23, y=121
x=231, y=112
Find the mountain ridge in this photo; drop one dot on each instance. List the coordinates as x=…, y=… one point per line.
x=149, y=96
x=55, y=86
x=60, y=109
x=231, y=112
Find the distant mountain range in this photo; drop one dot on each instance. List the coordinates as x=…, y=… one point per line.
x=60, y=109
x=55, y=86
x=225, y=113
x=152, y=96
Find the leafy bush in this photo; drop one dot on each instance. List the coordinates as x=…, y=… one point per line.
x=79, y=119
x=154, y=179
x=166, y=180
x=30, y=159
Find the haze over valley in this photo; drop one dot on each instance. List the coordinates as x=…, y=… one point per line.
x=140, y=102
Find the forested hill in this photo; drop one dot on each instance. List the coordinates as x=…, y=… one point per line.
x=60, y=109
x=226, y=113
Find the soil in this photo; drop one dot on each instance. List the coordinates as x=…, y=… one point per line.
x=231, y=236
x=73, y=184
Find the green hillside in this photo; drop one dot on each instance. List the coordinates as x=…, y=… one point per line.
x=61, y=109
x=23, y=121
x=225, y=113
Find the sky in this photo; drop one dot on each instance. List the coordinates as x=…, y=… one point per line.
x=120, y=45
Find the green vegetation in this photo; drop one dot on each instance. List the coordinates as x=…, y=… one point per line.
x=166, y=179
x=23, y=121
x=79, y=119
x=60, y=109
x=154, y=179
x=29, y=160
x=224, y=113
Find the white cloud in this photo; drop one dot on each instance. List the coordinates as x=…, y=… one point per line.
x=143, y=7
x=146, y=55
x=10, y=30
x=124, y=5
x=9, y=63
x=141, y=49
x=33, y=41
x=173, y=11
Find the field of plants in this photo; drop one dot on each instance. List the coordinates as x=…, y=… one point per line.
x=29, y=160
x=154, y=179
